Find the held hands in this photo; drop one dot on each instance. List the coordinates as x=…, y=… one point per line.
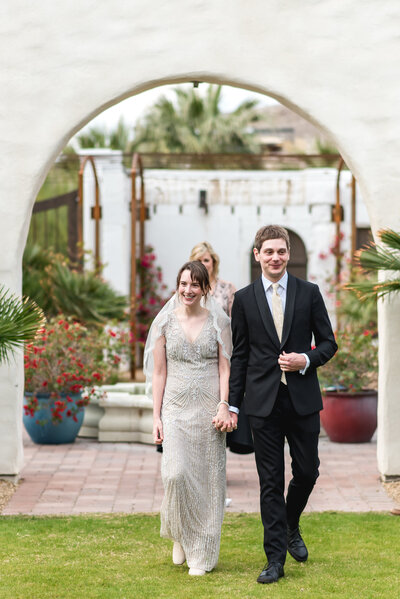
x=158, y=435
x=291, y=362
x=225, y=421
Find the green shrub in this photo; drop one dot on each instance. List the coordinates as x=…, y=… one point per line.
x=55, y=287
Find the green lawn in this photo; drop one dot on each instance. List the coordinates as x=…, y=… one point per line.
x=107, y=557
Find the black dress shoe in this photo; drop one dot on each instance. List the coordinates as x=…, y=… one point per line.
x=271, y=573
x=296, y=546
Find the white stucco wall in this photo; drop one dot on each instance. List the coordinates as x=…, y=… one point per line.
x=335, y=63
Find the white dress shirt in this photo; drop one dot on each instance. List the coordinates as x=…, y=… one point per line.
x=282, y=287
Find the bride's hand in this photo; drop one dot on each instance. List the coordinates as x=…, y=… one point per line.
x=222, y=420
x=158, y=435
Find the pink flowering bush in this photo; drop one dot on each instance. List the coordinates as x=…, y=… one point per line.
x=67, y=359
x=350, y=311
x=151, y=296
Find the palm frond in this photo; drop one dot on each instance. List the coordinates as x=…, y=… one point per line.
x=380, y=258
x=391, y=238
x=366, y=291
x=376, y=257
x=20, y=320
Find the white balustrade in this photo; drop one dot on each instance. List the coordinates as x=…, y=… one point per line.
x=124, y=414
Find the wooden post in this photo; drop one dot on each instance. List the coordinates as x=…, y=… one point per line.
x=136, y=165
x=353, y=221
x=133, y=271
x=337, y=214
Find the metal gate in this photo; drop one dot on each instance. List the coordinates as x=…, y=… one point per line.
x=55, y=224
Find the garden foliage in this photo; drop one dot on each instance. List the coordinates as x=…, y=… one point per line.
x=68, y=358
x=58, y=288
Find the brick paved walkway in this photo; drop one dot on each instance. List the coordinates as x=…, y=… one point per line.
x=88, y=476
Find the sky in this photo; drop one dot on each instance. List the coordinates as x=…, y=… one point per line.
x=132, y=108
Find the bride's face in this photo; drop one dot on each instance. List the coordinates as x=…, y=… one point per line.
x=189, y=291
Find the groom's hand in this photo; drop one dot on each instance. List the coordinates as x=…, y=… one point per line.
x=224, y=420
x=291, y=362
x=234, y=420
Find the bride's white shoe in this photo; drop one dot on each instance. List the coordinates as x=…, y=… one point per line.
x=196, y=572
x=178, y=555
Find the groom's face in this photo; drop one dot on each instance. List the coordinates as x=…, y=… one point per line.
x=273, y=258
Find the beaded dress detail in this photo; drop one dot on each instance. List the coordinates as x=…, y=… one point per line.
x=193, y=459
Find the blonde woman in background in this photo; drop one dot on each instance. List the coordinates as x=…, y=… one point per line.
x=222, y=291
x=239, y=441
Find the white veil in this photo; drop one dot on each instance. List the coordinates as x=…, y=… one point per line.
x=221, y=323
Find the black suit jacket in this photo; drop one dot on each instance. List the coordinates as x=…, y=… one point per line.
x=255, y=373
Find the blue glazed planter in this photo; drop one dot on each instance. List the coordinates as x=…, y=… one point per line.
x=50, y=433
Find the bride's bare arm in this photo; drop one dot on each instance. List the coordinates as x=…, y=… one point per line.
x=223, y=418
x=158, y=383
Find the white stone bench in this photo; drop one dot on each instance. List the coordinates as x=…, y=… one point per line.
x=126, y=418
x=125, y=414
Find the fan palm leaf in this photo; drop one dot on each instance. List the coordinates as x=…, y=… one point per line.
x=380, y=259
x=20, y=320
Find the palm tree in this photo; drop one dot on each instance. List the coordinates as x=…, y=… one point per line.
x=101, y=137
x=193, y=123
x=20, y=320
x=380, y=258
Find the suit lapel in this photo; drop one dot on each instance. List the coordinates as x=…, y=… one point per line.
x=265, y=312
x=289, y=307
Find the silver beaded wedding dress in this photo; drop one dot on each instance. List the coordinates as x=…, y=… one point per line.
x=193, y=459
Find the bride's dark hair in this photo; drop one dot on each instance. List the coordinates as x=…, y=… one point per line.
x=198, y=273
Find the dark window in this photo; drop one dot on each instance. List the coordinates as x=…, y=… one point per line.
x=363, y=237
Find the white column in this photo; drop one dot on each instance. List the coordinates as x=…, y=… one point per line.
x=388, y=446
x=11, y=399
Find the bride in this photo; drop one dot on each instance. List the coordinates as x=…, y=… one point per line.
x=187, y=360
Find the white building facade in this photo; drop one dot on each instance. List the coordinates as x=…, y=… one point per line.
x=238, y=203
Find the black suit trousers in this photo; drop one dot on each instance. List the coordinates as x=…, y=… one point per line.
x=269, y=434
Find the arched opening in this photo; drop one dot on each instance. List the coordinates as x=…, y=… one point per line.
x=212, y=224
x=218, y=219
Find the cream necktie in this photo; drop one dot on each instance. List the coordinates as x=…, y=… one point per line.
x=277, y=314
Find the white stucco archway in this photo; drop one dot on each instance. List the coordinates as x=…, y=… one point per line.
x=333, y=63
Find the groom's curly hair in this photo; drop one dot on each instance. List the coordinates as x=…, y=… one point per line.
x=271, y=232
x=198, y=273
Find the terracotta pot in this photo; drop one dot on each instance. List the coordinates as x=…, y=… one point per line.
x=349, y=417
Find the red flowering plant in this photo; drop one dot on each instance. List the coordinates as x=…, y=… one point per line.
x=354, y=367
x=151, y=296
x=68, y=359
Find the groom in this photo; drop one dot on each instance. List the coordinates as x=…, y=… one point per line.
x=275, y=321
